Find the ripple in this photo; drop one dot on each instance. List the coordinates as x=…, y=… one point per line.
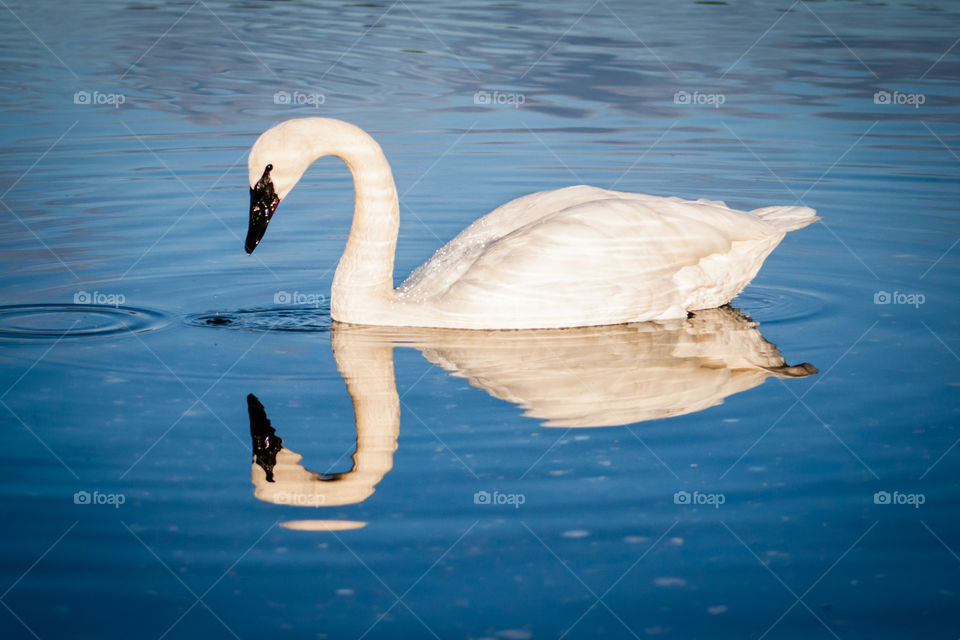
x=305, y=319
x=65, y=321
x=778, y=304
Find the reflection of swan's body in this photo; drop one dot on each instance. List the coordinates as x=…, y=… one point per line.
x=590, y=376
x=602, y=376
x=579, y=256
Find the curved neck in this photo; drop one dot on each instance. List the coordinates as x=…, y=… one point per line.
x=364, y=278
x=367, y=367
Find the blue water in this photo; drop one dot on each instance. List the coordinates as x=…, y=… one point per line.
x=133, y=504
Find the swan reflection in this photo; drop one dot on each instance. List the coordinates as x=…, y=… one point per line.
x=582, y=377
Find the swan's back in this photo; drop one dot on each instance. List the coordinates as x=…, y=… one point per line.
x=582, y=256
x=455, y=257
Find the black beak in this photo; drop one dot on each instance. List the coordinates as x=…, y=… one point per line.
x=263, y=202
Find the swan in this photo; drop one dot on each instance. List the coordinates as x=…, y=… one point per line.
x=572, y=257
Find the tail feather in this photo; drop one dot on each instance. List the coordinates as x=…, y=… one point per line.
x=787, y=218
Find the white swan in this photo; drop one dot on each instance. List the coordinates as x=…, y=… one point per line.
x=579, y=256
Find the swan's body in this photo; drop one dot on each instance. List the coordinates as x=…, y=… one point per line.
x=578, y=256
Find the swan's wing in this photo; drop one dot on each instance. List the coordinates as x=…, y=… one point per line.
x=616, y=257
x=450, y=262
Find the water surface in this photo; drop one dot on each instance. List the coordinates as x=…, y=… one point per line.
x=154, y=376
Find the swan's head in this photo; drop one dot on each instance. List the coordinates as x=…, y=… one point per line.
x=277, y=161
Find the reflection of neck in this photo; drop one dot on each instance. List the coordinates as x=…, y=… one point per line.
x=367, y=368
x=277, y=472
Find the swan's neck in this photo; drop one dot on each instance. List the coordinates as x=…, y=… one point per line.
x=363, y=284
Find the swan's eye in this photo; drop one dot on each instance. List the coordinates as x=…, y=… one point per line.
x=269, y=167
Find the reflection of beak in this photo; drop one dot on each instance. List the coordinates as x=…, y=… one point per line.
x=266, y=443
x=263, y=202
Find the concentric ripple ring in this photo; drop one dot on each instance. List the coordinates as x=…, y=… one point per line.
x=66, y=321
